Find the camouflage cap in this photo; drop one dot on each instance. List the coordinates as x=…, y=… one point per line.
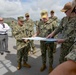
x=21, y=18
x=52, y=11
x=27, y=14
x=67, y=6
x=44, y=14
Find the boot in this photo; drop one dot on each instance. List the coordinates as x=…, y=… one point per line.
x=50, y=69
x=43, y=67
x=19, y=66
x=26, y=65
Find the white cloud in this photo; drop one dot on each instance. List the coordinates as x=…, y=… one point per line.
x=10, y=8
x=36, y=6
x=15, y=8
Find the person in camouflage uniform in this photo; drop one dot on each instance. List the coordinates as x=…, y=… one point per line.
x=68, y=27
x=22, y=45
x=12, y=25
x=68, y=67
x=55, y=19
x=72, y=54
x=36, y=23
x=52, y=16
x=30, y=31
x=45, y=27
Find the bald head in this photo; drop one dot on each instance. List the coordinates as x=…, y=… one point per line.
x=1, y=19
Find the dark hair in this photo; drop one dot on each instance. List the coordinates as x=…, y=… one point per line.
x=27, y=16
x=52, y=11
x=74, y=9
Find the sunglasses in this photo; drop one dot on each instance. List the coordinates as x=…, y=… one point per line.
x=27, y=16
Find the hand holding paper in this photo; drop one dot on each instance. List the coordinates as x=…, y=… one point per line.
x=60, y=40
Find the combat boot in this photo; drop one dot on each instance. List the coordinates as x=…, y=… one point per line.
x=43, y=67
x=19, y=66
x=26, y=65
x=50, y=69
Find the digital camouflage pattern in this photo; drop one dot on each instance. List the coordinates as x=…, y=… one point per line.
x=19, y=33
x=36, y=24
x=30, y=27
x=68, y=28
x=54, y=18
x=22, y=54
x=30, y=31
x=72, y=54
x=22, y=46
x=44, y=29
x=12, y=25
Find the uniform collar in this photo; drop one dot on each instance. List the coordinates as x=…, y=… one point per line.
x=49, y=20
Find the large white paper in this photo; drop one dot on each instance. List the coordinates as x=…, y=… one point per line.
x=40, y=38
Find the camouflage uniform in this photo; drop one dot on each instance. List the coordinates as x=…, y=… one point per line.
x=30, y=31
x=68, y=27
x=13, y=27
x=54, y=18
x=36, y=24
x=22, y=47
x=45, y=29
x=72, y=54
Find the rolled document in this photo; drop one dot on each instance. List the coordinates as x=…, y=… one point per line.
x=41, y=38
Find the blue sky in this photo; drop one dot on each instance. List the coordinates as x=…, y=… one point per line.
x=15, y=8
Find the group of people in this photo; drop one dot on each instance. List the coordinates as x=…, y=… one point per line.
x=47, y=27
x=21, y=29
x=25, y=28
